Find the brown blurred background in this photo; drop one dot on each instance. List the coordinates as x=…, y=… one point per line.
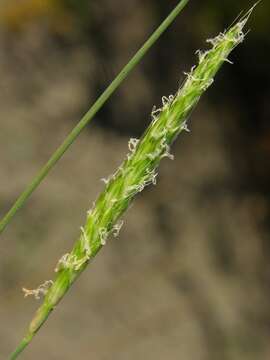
x=188, y=278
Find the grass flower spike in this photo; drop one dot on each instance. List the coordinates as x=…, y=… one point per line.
x=137, y=171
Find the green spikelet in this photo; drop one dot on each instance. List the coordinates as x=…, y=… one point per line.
x=136, y=172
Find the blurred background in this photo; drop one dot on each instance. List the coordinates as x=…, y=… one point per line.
x=189, y=275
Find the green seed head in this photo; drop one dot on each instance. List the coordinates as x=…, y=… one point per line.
x=140, y=167
x=138, y=170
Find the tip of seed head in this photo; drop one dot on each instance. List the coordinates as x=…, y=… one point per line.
x=243, y=20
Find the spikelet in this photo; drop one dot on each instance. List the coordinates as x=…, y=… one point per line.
x=138, y=170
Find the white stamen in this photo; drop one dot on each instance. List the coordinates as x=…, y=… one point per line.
x=103, y=236
x=40, y=291
x=117, y=227
x=132, y=144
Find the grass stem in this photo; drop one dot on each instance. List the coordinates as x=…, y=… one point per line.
x=21, y=347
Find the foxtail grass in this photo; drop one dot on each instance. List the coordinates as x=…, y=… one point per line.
x=137, y=171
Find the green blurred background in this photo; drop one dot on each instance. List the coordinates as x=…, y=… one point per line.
x=188, y=276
